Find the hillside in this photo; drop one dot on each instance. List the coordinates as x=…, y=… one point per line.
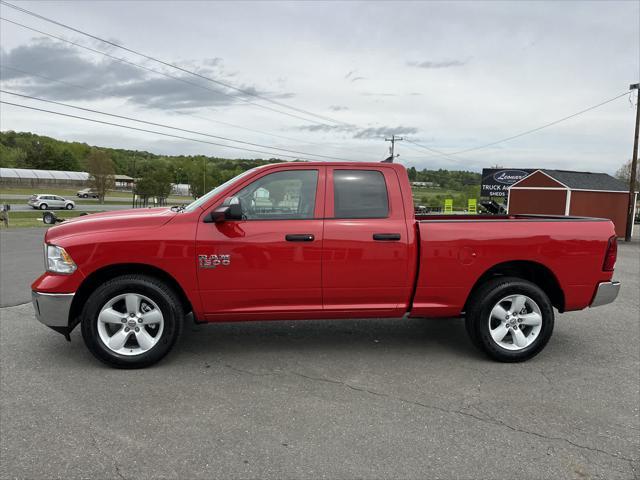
x=29, y=150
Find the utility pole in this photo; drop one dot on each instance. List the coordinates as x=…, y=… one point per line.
x=133, y=185
x=204, y=175
x=393, y=141
x=634, y=168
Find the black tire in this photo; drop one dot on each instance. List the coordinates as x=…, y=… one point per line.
x=479, y=310
x=69, y=206
x=43, y=206
x=156, y=290
x=84, y=195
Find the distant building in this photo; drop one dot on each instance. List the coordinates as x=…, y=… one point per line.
x=31, y=177
x=123, y=182
x=425, y=184
x=182, y=189
x=28, y=177
x=565, y=192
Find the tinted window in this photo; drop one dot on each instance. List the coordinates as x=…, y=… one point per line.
x=360, y=194
x=289, y=195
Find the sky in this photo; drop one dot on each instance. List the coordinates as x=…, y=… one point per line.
x=334, y=79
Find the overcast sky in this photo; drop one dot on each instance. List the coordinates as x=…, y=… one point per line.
x=447, y=75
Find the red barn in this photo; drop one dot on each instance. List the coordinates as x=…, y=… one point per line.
x=564, y=192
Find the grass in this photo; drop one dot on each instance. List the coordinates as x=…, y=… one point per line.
x=34, y=219
x=71, y=194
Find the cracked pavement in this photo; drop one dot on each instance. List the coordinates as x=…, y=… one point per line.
x=329, y=399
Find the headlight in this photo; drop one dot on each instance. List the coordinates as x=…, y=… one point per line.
x=58, y=260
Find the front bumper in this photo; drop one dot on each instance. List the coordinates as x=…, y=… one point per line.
x=52, y=309
x=606, y=292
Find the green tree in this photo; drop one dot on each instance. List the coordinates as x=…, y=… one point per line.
x=203, y=176
x=101, y=172
x=155, y=182
x=624, y=172
x=12, y=157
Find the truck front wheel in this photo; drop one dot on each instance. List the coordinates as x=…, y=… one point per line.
x=131, y=321
x=510, y=319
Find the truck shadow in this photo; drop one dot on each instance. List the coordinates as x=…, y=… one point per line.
x=376, y=336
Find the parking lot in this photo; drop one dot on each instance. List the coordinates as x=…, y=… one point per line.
x=321, y=399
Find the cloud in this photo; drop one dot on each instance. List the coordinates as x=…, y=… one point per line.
x=376, y=132
x=51, y=70
x=338, y=108
x=361, y=133
x=378, y=94
x=441, y=64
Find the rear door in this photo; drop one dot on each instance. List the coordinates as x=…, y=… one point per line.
x=365, y=268
x=269, y=263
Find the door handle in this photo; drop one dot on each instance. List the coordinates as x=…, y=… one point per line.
x=299, y=237
x=386, y=237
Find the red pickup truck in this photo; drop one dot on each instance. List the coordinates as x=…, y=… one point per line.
x=317, y=241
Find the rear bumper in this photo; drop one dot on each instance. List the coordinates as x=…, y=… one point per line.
x=606, y=292
x=52, y=309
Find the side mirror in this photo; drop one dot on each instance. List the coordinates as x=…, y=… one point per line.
x=229, y=210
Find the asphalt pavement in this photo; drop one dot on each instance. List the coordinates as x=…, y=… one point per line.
x=323, y=399
x=23, y=207
x=18, y=196
x=21, y=262
x=15, y=196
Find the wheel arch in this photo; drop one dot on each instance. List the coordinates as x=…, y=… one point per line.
x=534, y=272
x=107, y=273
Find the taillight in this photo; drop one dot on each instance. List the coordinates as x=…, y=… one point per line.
x=611, y=255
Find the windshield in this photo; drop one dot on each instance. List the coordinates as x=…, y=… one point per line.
x=203, y=199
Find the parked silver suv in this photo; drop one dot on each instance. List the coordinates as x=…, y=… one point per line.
x=86, y=193
x=43, y=201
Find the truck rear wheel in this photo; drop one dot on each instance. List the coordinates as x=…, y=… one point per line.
x=131, y=321
x=510, y=319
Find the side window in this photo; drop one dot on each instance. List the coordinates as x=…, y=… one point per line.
x=360, y=194
x=289, y=195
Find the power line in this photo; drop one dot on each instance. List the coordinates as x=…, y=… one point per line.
x=171, y=65
x=148, y=69
x=150, y=131
x=155, y=124
x=252, y=94
x=521, y=134
x=541, y=127
x=99, y=92
x=433, y=151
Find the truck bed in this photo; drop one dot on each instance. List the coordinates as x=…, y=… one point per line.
x=503, y=218
x=455, y=251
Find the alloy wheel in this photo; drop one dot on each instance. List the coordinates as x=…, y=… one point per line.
x=130, y=324
x=515, y=322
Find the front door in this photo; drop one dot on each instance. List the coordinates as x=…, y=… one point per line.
x=269, y=263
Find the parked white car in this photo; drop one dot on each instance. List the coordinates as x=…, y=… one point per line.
x=43, y=201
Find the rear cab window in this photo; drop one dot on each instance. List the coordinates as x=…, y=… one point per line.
x=360, y=194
